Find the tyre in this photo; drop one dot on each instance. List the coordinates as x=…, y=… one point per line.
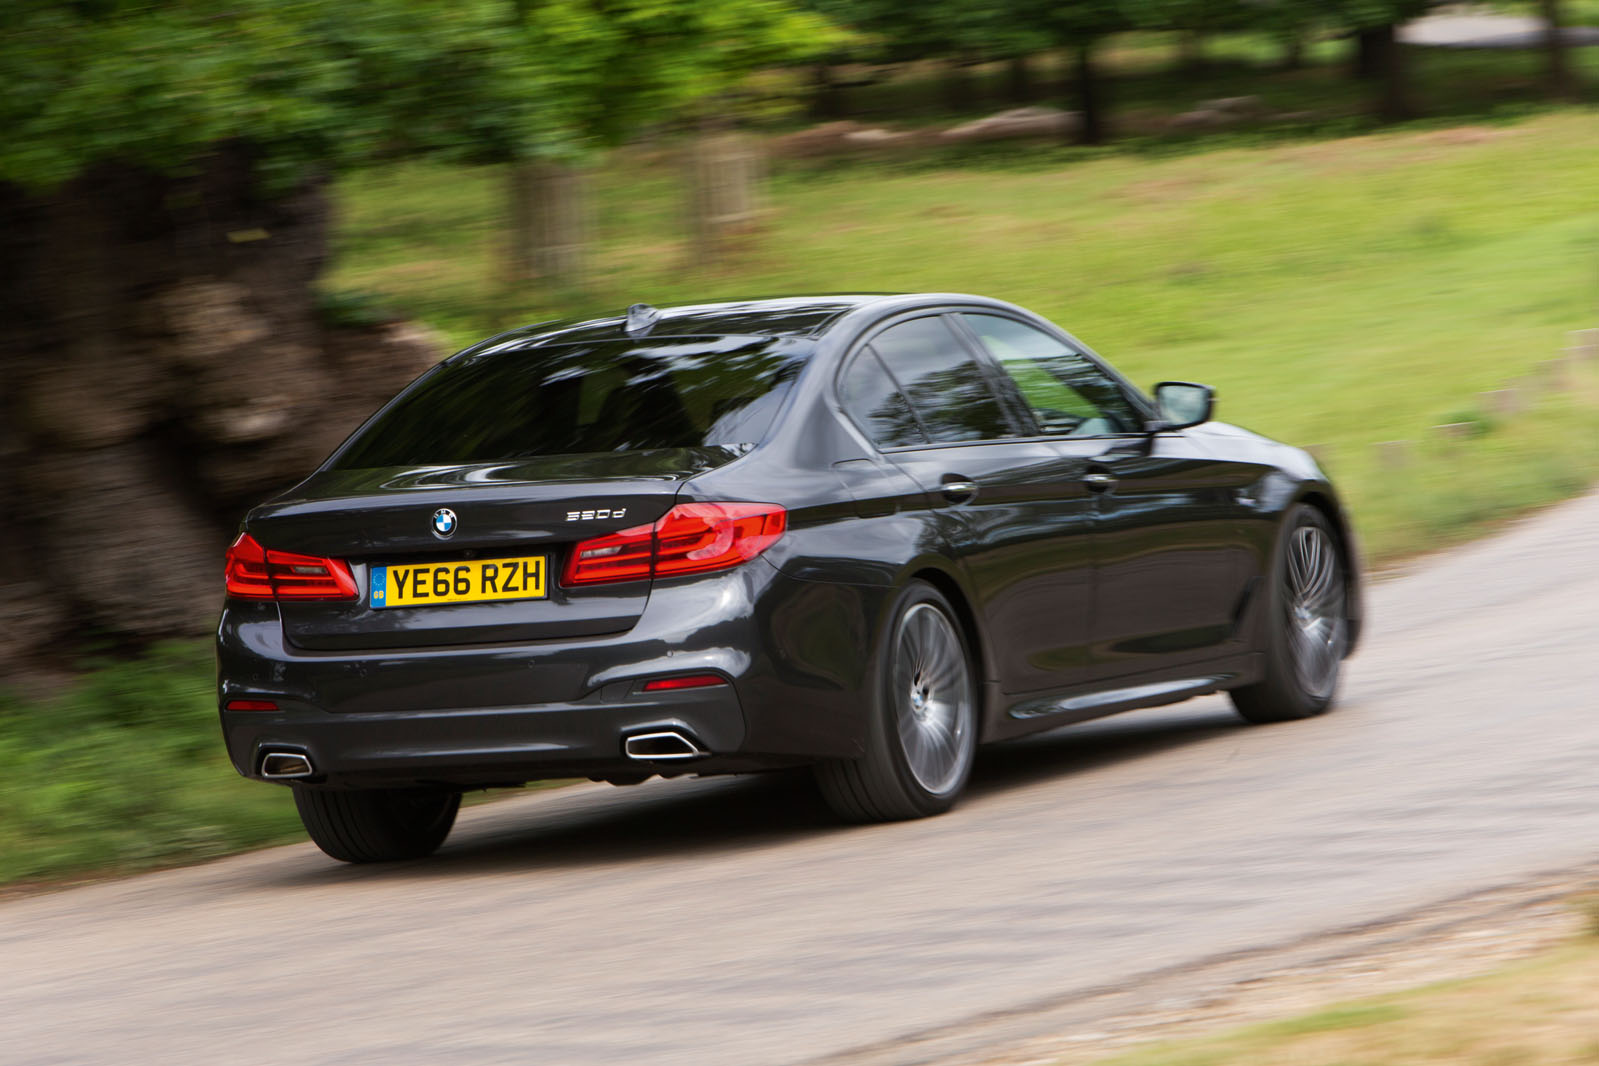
x=377, y=825
x=921, y=732
x=1307, y=624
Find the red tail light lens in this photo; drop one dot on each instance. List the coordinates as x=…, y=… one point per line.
x=673, y=684
x=626, y=555
x=257, y=573
x=691, y=538
x=252, y=705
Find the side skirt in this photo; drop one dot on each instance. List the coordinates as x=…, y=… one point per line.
x=1017, y=715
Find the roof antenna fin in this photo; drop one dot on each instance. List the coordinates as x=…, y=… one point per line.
x=641, y=318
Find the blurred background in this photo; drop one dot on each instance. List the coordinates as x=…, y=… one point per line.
x=229, y=230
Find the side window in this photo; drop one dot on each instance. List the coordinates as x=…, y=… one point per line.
x=943, y=382
x=1069, y=395
x=872, y=399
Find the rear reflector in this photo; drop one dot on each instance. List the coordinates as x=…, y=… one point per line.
x=691, y=538
x=251, y=705
x=668, y=684
x=257, y=573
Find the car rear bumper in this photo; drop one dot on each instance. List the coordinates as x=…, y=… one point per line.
x=481, y=747
x=502, y=714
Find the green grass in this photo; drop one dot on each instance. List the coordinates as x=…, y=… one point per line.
x=126, y=770
x=1338, y=293
x=1542, y=1011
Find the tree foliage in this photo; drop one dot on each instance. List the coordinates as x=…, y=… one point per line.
x=309, y=84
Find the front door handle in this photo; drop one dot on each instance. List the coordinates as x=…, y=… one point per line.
x=958, y=489
x=1099, y=482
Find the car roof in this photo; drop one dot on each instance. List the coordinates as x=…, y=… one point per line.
x=786, y=316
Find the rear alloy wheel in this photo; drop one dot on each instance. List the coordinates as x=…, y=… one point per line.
x=1308, y=625
x=922, y=732
x=377, y=825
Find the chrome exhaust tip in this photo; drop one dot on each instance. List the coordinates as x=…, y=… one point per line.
x=282, y=765
x=662, y=745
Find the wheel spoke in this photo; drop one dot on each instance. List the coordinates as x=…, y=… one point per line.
x=933, y=700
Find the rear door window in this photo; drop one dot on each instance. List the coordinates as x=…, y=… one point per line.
x=876, y=405
x=506, y=404
x=942, y=379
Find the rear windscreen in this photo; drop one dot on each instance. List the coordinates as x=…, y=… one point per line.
x=568, y=399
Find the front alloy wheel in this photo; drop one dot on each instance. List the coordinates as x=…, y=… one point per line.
x=1308, y=625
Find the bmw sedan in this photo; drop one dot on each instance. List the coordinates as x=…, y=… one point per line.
x=860, y=534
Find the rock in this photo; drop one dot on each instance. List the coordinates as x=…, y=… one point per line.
x=1018, y=123
x=830, y=138
x=843, y=138
x=1201, y=121
x=878, y=139
x=1242, y=107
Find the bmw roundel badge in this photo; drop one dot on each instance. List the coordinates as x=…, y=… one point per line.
x=443, y=522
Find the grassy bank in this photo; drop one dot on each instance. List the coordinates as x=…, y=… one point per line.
x=1338, y=293
x=125, y=771
x=1542, y=1012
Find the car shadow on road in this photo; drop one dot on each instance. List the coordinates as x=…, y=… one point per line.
x=673, y=819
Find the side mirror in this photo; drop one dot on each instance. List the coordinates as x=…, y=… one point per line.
x=1183, y=404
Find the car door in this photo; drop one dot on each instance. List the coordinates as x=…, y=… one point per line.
x=1011, y=508
x=1171, y=568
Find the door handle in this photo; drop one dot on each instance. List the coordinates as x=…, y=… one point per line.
x=958, y=489
x=1099, y=482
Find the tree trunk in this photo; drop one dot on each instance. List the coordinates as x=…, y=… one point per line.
x=1090, y=96
x=1019, y=83
x=521, y=236
x=1557, y=68
x=1393, y=94
x=827, y=97
x=1293, y=51
x=960, y=89
x=548, y=224
x=1366, y=62
x=725, y=178
x=168, y=363
x=1191, y=51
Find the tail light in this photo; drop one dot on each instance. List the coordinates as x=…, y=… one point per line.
x=691, y=538
x=257, y=573
x=683, y=681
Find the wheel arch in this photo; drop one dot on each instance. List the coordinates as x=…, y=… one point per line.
x=951, y=589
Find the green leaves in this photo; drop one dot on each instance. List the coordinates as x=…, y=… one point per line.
x=309, y=85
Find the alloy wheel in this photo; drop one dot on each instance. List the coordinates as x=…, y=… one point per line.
x=1318, y=629
x=933, y=699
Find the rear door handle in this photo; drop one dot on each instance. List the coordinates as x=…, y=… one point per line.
x=1098, y=482
x=958, y=489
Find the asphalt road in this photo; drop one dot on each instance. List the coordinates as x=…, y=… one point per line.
x=730, y=922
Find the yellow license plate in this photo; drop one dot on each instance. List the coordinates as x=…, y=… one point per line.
x=470, y=582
